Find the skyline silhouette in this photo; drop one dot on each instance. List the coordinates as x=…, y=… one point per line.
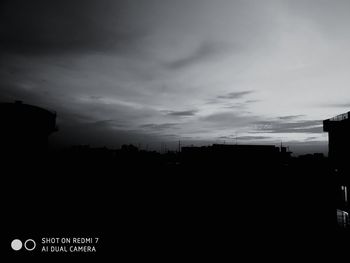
x=27, y=128
x=166, y=200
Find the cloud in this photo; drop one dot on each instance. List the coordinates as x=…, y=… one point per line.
x=110, y=123
x=311, y=138
x=291, y=117
x=251, y=101
x=307, y=126
x=205, y=51
x=157, y=127
x=338, y=105
x=112, y=101
x=67, y=26
x=77, y=128
x=235, y=95
x=228, y=120
x=245, y=138
x=253, y=138
x=186, y=113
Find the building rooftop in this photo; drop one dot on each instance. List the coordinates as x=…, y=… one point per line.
x=27, y=118
x=336, y=121
x=340, y=117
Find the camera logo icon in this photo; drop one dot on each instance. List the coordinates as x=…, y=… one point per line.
x=17, y=244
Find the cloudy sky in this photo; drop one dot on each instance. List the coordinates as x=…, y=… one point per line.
x=151, y=71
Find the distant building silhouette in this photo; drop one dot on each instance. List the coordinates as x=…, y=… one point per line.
x=227, y=154
x=338, y=129
x=25, y=129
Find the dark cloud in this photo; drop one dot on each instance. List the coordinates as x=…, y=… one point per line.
x=229, y=120
x=229, y=104
x=251, y=101
x=156, y=127
x=186, y=113
x=95, y=134
x=311, y=138
x=227, y=117
x=291, y=117
x=235, y=106
x=252, y=138
x=110, y=123
x=41, y=26
x=232, y=96
x=75, y=128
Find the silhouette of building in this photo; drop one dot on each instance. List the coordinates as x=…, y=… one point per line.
x=25, y=129
x=338, y=129
x=235, y=154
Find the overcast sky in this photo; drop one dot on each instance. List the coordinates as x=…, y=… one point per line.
x=153, y=71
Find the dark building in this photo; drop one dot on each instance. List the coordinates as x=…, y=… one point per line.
x=25, y=129
x=338, y=129
x=235, y=154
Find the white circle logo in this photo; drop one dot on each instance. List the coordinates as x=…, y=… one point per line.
x=16, y=244
x=32, y=244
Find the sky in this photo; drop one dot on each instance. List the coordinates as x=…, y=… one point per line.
x=199, y=71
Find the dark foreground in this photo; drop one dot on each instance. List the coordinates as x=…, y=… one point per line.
x=146, y=209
